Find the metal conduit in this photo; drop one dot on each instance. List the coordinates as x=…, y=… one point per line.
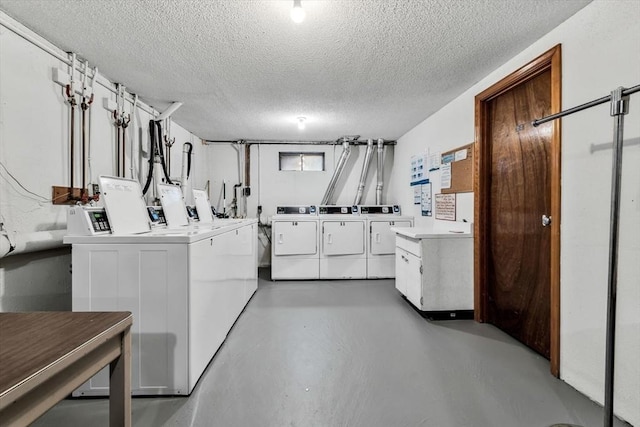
x=286, y=142
x=365, y=169
x=346, y=151
x=380, y=171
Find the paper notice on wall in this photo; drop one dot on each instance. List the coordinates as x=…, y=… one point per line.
x=448, y=158
x=446, y=207
x=434, y=161
x=425, y=202
x=419, y=171
x=445, y=176
x=460, y=155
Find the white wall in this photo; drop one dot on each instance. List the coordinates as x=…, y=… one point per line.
x=34, y=148
x=271, y=187
x=600, y=51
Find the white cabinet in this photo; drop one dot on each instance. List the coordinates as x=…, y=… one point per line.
x=185, y=291
x=435, y=271
x=408, y=276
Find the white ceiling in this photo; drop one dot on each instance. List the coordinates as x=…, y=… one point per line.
x=244, y=70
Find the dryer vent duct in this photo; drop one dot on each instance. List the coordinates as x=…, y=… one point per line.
x=346, y=151
x=365, y=169
x=380, y=184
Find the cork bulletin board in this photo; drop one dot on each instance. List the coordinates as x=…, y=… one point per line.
x=461, y=160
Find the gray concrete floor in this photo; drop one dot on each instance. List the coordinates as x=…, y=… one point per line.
x=354, y=353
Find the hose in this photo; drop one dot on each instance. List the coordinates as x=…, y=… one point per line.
x=152, y=153
x=161, y=152
x=189, y=158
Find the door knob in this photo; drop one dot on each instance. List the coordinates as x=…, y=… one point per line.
x=546, y=220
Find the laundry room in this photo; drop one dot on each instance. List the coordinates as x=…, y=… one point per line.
x=304, y=212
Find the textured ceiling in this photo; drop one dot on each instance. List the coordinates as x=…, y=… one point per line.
x=244, y=70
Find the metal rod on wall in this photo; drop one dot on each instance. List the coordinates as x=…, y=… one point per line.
x=619, y=99
x=619, y=107
x=625, y=92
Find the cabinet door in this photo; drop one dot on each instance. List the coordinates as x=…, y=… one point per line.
x=382, y=241
x=401, y=271
x=343, y=237
x=295, y=237
x=414, y=279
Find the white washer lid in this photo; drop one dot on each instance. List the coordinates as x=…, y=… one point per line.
x=175, y=212
x=124, y=204
x=203, y=206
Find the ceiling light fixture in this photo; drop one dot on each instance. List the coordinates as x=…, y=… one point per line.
x=301, y=122
x=297, y=13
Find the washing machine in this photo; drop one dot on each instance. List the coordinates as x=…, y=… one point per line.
x=342, y=243
x=295, y=253
x=381, y=241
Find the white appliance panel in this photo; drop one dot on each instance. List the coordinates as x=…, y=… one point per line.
x=343, y=267
x=343, y=237
x=295, y=237
x=295, y=268
x=382, y=241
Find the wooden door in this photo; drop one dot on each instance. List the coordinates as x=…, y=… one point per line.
x=520, y=193
x=517, y=259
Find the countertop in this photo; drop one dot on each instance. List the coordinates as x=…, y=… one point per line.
x=454, y=231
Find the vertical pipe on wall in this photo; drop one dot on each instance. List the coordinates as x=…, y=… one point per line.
x=346, y=151
x=71, y=97
x=380, y=171
x=365, y=169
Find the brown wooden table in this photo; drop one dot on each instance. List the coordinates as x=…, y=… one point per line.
x=44, y=356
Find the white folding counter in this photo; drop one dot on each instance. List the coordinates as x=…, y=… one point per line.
x=434, y=268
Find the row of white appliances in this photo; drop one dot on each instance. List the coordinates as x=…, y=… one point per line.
x=334, y=242
x=185, y=284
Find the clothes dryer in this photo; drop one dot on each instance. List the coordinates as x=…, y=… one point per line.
x=381, y=240
x=295, y=253
x=342, y=243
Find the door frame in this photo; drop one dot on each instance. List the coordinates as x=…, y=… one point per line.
x=550, y=60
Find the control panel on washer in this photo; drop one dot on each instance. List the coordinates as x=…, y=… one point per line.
x=380, y=209
x=87, y=221
x=156, y=216
x=296, y=210
x=338, y=210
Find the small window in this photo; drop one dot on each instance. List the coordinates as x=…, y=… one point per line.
x=301, y=161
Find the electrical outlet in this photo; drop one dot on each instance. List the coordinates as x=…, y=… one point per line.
x=95, y=188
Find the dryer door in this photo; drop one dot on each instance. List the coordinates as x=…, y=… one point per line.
x=295, y=237
x=342, y=237
x=382, y=241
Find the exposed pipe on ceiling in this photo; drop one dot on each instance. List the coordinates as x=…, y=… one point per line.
x=169, y=111
x=380, y=171
x=346, y=151
x=365, y=170
x=290, y=142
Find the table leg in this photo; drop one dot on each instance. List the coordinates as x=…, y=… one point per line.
x=120, y=385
